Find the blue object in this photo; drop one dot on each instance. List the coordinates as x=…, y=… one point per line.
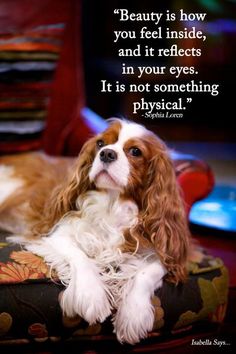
x=217, y=211
x=94, y=121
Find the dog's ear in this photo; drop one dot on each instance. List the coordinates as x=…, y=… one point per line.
x=163, y=215
x=63, y=198
x=78, y=181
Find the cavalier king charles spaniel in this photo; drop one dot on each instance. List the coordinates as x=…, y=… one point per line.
x=111, y=223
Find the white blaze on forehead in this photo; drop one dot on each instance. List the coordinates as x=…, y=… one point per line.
x=129, y=131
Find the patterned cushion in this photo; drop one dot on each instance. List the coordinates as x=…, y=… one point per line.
x=29, y=308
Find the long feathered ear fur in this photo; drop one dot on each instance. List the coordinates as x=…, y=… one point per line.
x=63, y=198
x=162, y=219
x=163, y=215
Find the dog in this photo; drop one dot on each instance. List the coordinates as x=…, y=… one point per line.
x=110, y=222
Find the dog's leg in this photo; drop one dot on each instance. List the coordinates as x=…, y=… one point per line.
x=85, y=294
x=135, y=314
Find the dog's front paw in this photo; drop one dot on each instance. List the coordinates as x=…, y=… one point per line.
x=86, y=297
x=134, y=319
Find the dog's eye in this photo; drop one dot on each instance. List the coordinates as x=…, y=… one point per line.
x=100, y=143
x=134, y=151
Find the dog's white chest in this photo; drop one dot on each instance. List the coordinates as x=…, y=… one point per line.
x=99, y=230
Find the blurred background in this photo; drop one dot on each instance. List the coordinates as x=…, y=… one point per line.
x=207, y=128
x=207, y=118
x=33, y=37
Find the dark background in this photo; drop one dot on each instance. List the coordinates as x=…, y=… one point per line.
x=207, y=118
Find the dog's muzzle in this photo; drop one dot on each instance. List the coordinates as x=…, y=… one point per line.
x=108, y=156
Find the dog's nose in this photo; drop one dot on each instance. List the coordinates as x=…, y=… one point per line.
x=108, y=155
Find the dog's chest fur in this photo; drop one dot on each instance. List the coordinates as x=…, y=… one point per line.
x=100, y=228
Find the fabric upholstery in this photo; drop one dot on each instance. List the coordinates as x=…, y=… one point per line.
x=29, y=292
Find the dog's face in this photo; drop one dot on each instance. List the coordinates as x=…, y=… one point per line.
x=122, y=155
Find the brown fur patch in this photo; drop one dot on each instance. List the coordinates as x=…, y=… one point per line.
x=162, y=219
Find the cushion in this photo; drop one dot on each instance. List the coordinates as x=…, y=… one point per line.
x=30, y=311
x=194, y=176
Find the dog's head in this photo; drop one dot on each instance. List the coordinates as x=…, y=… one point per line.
x=121, y=158
x=134, y=162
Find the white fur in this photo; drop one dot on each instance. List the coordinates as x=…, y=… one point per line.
x=84, y=249
x=85, y=293
x=135, y=314
x=84, y=245
x=130, y=130
x=8, y=183
x=117, y=173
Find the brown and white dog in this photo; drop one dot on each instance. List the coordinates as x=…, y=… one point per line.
x=112, y=224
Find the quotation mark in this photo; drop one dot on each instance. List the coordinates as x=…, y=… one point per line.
x=116, y=11
x=189, y=100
